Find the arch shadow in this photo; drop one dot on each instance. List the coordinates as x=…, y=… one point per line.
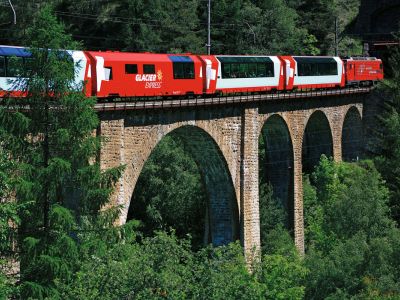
x=221, y=212
x=277, y=168
x=352, y=136
x=317, y=140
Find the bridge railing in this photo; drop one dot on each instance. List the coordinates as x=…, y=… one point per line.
x=138, y=103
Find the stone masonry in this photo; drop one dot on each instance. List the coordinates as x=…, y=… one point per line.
x=224, y=142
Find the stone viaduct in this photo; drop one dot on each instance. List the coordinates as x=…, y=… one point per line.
x=224, y=141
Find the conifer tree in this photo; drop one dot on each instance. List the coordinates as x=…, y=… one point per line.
x=55, y=179
x=388, y=134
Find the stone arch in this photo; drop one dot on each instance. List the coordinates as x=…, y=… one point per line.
x=279, y=162
x=317, y=140
x=352, y=135
x=222, y=205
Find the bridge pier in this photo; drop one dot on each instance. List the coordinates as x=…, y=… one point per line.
x=249, y=183
x=298, y=131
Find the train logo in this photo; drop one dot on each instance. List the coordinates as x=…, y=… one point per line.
x=159, y=75
x=153, y=81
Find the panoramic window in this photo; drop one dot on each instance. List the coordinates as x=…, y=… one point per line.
x=28, y=66
x=131, y=69
x=183, y=67
x=316, y=66
x=14, y=66
x=2, y=66
x=149, y=69
x=183, y=70
x=246, y=67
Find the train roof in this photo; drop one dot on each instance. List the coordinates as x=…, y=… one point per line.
x=144, y=57
x=362, y=58
x=14, y=51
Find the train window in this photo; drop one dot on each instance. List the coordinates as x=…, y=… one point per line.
x=252, y=70
x=14, y=66
x=226, y=70
x=2, y=66
x=316, y=66
x=178, y=71
x=131, y=69
x=149, y=69
x=261, y=70
x=183, y=70
x=234, y=71
x=189, y=70
x=108, y=74
x=246, y=67
x=270, y=69
x=28, y=66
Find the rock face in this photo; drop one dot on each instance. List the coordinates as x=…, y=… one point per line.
x=378, y=17
x=224, y=142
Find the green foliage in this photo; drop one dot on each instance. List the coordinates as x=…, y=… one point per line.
x=55, y=182
x=237, y=27
x=352, y=243
x=69, y=248
x=318, y=17
x=164, y=266
x=9, y=220
x=387, y=147
x=272, y=215
x=283, y=277
x=169, y=192
x=160, y=30
x=258, y=27
x=274, y=234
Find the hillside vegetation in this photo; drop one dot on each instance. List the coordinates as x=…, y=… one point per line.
x=237, y=26
x=55, y=216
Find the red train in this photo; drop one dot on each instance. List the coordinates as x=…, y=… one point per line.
x=122, y=74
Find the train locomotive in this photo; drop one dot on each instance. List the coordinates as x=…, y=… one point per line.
x=125, y=75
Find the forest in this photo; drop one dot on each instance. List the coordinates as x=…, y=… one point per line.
x=55, y=217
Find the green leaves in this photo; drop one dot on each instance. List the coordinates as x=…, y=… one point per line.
x=170, y=192
x=164, y=266
x=52, y=172
x=349, y=234
x=283, y=277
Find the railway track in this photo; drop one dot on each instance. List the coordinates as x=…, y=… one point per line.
x=140, y=104
x=157, y=103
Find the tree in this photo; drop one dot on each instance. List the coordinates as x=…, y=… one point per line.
x=259, y=27
x=274, y=223
x=9, y=221
x=388, y=136
x=170, y=193
x=164, y=26
x=318, y=17
x=352, y=241
x=164, y=266
x=135, y=25
x=55, y=179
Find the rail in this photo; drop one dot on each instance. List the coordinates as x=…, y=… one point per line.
x=142, y=103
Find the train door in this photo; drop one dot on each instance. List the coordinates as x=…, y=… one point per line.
x=289, y=70
x=350, y=71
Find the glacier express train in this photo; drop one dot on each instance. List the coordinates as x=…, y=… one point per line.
x=122, y=74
